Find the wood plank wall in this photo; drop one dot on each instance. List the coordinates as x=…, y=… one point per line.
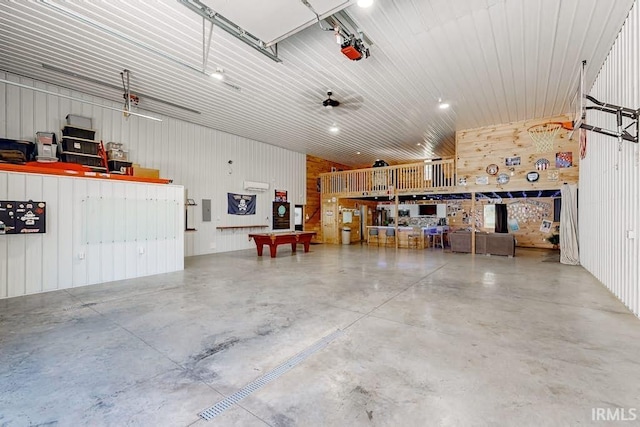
x=316, y=166
x=478, y=148
x=527, y=212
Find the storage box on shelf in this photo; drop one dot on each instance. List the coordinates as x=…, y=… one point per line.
x=79, y=145
x=16, y=151
x=145, y=172
x=117, y=166
x=76, y=132
x=46, y=147
x=79, y=121
x=94, y=162
x=116, y=151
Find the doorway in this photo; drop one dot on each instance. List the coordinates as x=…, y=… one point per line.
x=297, y=217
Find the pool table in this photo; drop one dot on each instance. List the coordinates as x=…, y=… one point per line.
x=280, y=238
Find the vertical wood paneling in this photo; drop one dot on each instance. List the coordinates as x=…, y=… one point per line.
x=610, y=178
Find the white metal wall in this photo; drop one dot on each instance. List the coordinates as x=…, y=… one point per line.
x=609, y=196
x=193, y=156
x=97, y=231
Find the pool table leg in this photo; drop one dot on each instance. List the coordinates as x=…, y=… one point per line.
x=259, y=247
x=272, y=249
x=306, y=246
x=293, y=247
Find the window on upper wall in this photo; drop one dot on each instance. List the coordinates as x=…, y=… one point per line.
x=489, y=216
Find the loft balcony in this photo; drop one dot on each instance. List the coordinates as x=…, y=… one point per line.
x=438, y=176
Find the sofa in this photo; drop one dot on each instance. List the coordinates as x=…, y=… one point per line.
x=486, y=243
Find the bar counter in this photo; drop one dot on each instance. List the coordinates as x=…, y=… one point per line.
x=404, y=232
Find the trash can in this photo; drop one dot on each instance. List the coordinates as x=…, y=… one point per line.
x=346, y=236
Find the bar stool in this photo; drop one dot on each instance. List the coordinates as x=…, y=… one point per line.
x=390, y=234
x=435, y=237
x=373, y=236
x=414, y=238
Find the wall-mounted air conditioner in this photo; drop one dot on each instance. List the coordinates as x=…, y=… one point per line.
x=256, y=186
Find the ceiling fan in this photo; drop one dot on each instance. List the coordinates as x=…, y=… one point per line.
x=347, y=103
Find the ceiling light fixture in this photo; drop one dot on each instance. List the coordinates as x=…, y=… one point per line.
x=365, y=3
x=334, y=128
x=442, y=105
x=218, y=74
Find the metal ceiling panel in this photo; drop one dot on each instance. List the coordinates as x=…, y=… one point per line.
x=494, y=61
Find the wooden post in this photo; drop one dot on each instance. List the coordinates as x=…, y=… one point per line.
x=473, y=223
x=397, y=217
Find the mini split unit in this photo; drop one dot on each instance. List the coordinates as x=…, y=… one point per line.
x=255, y=186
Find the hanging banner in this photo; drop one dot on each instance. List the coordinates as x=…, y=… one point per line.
x=241, y=204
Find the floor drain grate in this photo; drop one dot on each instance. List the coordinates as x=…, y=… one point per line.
x=236, y=397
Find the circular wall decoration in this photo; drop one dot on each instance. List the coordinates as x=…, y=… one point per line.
x=533, y=176
x=542, y=164
x=503, y=178
x=492, y=169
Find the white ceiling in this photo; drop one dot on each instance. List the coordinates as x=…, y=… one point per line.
x=494, y=61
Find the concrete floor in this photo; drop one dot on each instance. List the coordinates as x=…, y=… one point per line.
x=429, y=339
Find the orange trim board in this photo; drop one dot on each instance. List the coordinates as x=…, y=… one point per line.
x=74, y=171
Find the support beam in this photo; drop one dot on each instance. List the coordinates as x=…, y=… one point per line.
x=473, y=223
x=231, y=28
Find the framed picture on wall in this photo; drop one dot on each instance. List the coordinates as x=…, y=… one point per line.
x=512, y=161
x=545, y=226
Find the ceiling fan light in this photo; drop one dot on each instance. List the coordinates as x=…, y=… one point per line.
x=365, y=3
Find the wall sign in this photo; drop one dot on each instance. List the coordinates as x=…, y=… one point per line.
x=533, y=176
x=20, y=217
x=281, y=216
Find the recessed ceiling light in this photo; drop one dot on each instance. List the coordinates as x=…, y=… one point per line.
x=442, y=105
x=334, y=129
x=365, y=3
x=357, y=152
x=418, y=143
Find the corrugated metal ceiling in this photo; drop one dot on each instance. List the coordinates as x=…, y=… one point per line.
x=494, y=61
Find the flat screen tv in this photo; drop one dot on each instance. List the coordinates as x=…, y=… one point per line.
x=427, y=210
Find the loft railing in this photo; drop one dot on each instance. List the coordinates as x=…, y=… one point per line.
x=389, y=180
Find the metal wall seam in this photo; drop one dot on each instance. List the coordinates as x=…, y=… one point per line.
x=610, y=178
